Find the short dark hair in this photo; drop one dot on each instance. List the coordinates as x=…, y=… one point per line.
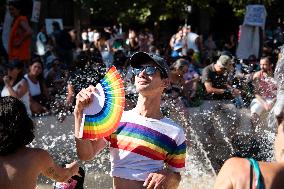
x=268, y=58
x=16, y=127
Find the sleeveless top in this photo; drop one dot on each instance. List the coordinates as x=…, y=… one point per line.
x=254, y=166
x=34, y=88
x=267, y=86
x=21, y=52
x=25, y=98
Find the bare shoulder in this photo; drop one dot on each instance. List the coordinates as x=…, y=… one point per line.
x=42, y=156
x=235, y=171
x=236, y=160
x=235, y=165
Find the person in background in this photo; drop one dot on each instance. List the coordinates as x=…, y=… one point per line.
x=133, y=41
x=62, y=42
x=215, y=80
x=230, y=44
x=175, y=98
x=176, y=87
x=264, y=90
x=20, y=38
x=37, y=88
x=84, y=38
x=134, y=163
x=192, y=80
x=15, y=84
x=42, y=42
x=210, y=46
x=55, y=77
x=103, y=45
x=177, y=43
x=20, y=165
x=218, y=100
x=193, y=41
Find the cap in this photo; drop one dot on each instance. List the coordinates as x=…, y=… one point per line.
x=139, y=58
x=15, y=64
x=225, y=61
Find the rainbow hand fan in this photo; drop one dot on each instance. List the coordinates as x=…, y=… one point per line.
x=103, y=115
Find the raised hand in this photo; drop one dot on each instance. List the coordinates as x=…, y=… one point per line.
x=84, y=98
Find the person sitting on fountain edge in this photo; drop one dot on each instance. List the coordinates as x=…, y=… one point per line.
x=215, y=79
x=155, y=152
x=264, y=89
x=249, y=173
x=20, y=165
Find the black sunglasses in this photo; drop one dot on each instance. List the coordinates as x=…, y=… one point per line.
x=149, y=70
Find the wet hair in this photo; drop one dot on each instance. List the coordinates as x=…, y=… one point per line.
x=179, y=64
x=16, y=127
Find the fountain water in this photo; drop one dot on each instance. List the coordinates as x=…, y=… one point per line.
x=205, y=154
x=214, y=133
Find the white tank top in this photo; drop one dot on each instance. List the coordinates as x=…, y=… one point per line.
x=25, y=98
x=34, y=88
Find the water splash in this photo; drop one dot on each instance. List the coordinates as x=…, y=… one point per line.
x=213, y=135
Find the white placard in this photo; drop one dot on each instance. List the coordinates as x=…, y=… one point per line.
x=36, y=11
x=255, y=15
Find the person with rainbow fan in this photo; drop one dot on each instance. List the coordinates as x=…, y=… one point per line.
x=147, y=149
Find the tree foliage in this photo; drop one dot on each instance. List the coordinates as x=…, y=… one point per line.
x=143, y=11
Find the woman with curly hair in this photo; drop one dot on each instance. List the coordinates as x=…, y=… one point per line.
x=21, y=165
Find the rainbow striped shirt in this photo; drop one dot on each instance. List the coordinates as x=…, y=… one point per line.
x=143, y=145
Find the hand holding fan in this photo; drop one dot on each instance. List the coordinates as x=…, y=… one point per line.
x=102, y=116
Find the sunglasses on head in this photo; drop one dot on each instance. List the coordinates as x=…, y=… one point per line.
x=149, y=70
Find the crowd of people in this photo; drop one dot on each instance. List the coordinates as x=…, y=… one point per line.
x=199, y=68
x=189, y=69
